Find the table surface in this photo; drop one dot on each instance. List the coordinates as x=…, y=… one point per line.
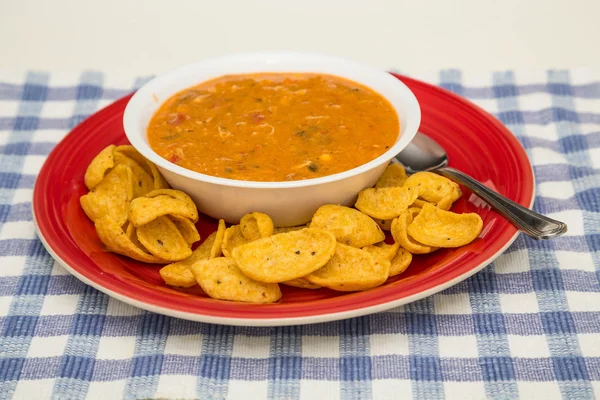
x=154, y=36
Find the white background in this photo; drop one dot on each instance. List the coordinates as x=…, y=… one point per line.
x=152, y=36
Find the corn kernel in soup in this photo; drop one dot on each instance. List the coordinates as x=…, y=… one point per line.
x=273, y=127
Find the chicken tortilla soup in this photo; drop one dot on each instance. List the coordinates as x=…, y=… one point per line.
x=274, y=126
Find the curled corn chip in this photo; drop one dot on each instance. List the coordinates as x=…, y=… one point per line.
x=350, y=227
x=433, y=187
x=111, y=197
x=162, y=238
x=130, y=152
x=393, y=176
x=111, y=234
x=179, y=195
x=446, y=202
x=400, y=234
x=286, y=256
x=418, y=203
x=131, y=232
x=285, y=229
x=145, y=209
x=414, y=211
x=216, y=250
x=436, y=227
x=301, y=283
x=400, y=262
x=180, y=273
x=351, y=269
x=97, y=169
x=158, y=182
x=256, y=225
x=142, y=181
x=187, y=228
x=233, y=238
x=385, y=224
x=387, y=202
x=221, y=279
x=383, y=250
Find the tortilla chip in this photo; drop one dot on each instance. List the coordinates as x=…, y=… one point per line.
x=221, y=279
x=286, y=256
x=400, y=262
x=111, y=197
x=387, y=202
x=98, y=167
x=436, y=227
x=400, y=234
x=216, y=249
x=256, y=225
x=351, y=269
x=231, y=239
x=146, y=209
x=350, y=227
x=162, y=238
x=111, y=234
x=187, y=228
x=393, y=176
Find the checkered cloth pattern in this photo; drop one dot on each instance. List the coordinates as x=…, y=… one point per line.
x=527, y=326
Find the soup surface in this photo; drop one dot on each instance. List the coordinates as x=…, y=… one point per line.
x=273, y=126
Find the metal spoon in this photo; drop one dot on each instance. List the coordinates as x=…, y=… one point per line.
x=425, y=154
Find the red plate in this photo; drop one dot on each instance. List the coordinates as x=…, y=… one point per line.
x=476, y=143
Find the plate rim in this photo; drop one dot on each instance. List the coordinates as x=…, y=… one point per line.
x=299, y=320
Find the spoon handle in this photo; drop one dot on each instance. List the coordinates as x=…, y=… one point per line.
x=533, y=224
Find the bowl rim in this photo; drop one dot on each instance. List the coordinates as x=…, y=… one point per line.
x=137, y=100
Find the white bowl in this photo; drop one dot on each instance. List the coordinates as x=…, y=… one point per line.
x=288, y=203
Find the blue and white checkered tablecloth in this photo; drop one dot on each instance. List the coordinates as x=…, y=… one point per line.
x=527, y=326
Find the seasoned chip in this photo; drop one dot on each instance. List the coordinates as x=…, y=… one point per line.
x=159, y=180
x=179, y=195
x=187, y=228
x=162, y=238
x=131, y=232
x=400, y=234
x=400, y=262
x=142, y=181
x=286, y=256
x=351, y=269
x=387, y=202
x=446, y=202
x=436, y=227
x=112, y=235
x=256, y=225
x=393, y=176
x=145, y=209
x=350, y=227
x=111, y=197
x=203, y=252
x=285, y=229
x=414, y=211
x=221, y=279
x=383, y=250
x=385, y=224
x=130, y=152
x=301, y=283
x=418, y=203
x=216, y=250
x=178, y=274
x=97, y=169
x=233, y=238
x=433, y=187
